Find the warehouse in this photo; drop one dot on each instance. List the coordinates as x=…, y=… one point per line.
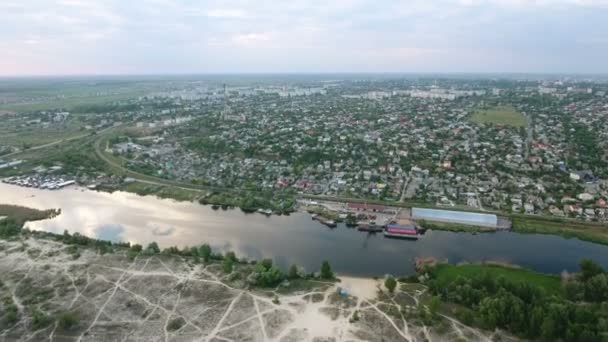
x=450, y=216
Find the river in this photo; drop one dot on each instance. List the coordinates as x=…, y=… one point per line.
x=122, y=216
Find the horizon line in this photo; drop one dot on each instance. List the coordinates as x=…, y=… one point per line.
x=272, y=73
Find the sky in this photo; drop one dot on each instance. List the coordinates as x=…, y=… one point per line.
x=97, y=37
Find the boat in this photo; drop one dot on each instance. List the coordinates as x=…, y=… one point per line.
x=401, y=231
x=266, y=212
x=323, y=220
x=369, y=227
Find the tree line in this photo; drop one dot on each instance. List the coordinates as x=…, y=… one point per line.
x=577, y=313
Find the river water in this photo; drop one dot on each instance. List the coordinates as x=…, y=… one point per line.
x=290, y=239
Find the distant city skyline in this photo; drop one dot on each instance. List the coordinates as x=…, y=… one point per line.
x=112, y=37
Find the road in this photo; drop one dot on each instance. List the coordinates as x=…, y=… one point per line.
x=529, y=135
x=406, y=181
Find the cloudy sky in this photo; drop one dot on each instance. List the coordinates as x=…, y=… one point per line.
x=59, y=37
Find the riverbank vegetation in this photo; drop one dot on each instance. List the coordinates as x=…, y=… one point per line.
x=587, y=231
x=523, y=302
x=453, y=227
x=23, y=214
x=251, y=202
x=12, y=218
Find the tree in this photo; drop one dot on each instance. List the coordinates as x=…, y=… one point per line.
x=227, y=265
x=326, y=272
x=596, y=288
x=136, y=248
x=267, y=263
x=293, y=272
x=589, y=269
x=205, y=252
x=231, y=256
x=152, y=249
x=265, y=275
x=390, y=283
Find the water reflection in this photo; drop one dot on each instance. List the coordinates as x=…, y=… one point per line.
x=286, y=239
x=110, y=232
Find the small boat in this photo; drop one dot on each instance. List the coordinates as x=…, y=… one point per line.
x=323, y=220
x=266, y=212
x=369, y=227
x=401, y=232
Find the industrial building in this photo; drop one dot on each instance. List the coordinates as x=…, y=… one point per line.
x=451, y=216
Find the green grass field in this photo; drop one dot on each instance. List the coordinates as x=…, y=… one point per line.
x=587, y=231
x=500, y=115
x=69, y=103
x=446, y=273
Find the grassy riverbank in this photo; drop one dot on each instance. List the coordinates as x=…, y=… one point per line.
x=446, y=274
x=587, y=231
x=22, y=214
x=453, y=227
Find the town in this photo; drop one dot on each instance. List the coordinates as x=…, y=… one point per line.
x=508, y=146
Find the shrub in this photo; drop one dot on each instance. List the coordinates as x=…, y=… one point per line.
x=67, y=320
x=175, y=324
x=227, y=265
x=326, y=272
x=39, y=319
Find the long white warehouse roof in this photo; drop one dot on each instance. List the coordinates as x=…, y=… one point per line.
x=476, y=219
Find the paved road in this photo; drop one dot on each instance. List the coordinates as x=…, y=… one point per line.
x=529, y=135
x=406, y=181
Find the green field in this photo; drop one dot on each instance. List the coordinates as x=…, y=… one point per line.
x=446, y=274
x=587, y=231
x=500, y=115
x=68, y=103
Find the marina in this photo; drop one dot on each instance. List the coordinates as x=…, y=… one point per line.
x=40, y=182
x=293, y=239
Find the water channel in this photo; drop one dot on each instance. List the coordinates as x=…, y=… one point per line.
x=296, y=238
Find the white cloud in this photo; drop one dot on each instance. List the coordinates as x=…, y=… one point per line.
x=299, y=35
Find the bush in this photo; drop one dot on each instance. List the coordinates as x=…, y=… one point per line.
x=227, y=265
x=265, y=275
x=39, y=319
x=11, y=315
x=67, y=320
x=175, y=324
x=390, y=283
x=9, y=227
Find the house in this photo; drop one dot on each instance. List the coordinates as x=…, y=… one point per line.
x=585, y=197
